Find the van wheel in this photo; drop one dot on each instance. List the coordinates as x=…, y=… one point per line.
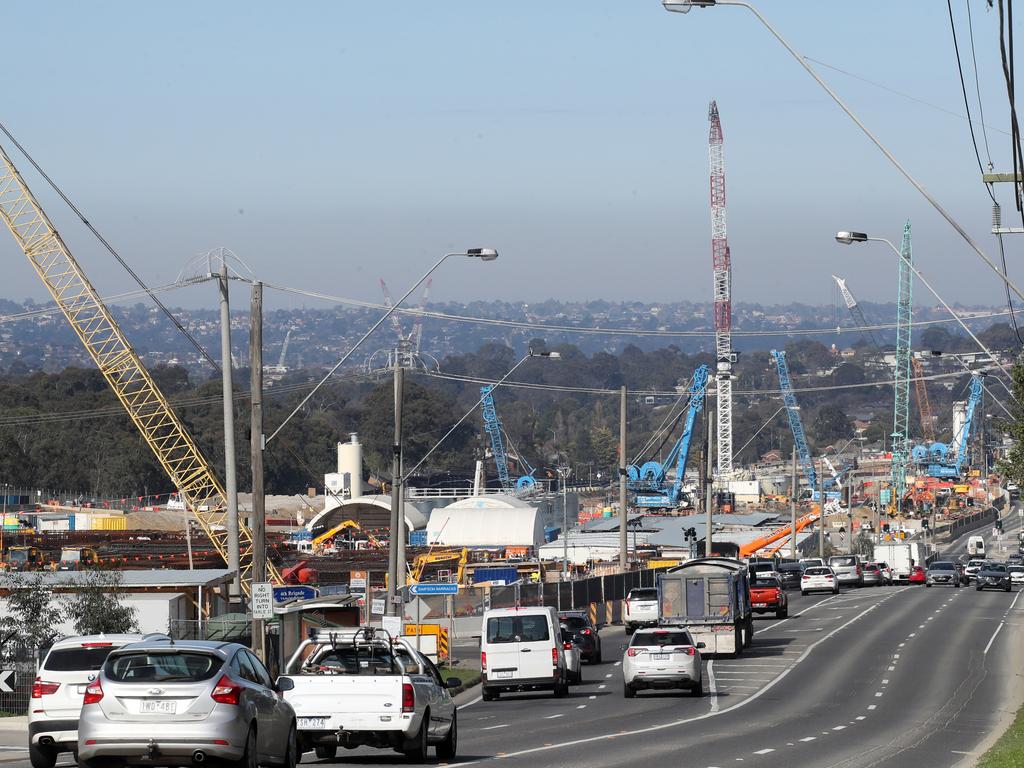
x=446, y=749
x=42, y=757
x=488, y=695
x=325, y=751
x=415, y=751
x=561, y=689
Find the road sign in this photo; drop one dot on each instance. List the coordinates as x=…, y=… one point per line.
x=439, y=588
x=6, y=680
x=377, y=606
x=286, y=594
x=262, y=600
x=357, y=580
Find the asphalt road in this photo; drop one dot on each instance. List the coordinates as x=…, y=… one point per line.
x=886, y=676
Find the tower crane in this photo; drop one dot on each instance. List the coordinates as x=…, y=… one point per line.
x=856, y=312
x=496, y=432
x=417, y=327
x=796, y=425
x=651, y=476
x=91, y=320
x=721, y=266
x=924, y=406
x=407, y=350
x=901, y=377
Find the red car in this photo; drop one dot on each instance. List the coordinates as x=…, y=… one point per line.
x=768, y=596
x=917, y=575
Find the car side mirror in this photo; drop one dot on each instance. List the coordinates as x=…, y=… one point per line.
x=701, y=646
x=284, y=684
x=452, y=682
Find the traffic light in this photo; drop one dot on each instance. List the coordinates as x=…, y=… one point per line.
x=885, y=527
x=925, y=524
x=999, y=525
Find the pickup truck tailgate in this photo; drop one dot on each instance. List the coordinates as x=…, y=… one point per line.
x=347, y=702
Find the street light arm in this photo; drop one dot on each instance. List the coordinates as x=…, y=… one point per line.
x=842, y=105
x=364, y=337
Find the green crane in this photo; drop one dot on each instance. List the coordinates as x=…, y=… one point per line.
x=901, y=378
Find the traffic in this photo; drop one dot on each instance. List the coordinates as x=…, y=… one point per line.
x=108, y=701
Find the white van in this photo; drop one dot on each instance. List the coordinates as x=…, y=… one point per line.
x=976, y=546
x=520, y=650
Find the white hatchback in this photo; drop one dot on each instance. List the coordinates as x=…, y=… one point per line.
x=819, y=579
x=1016, y=573
x=665, y=657
x=70, y=665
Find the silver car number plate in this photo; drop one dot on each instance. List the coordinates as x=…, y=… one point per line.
x=158, y=706
x=312, y=723
x=659, y=657
x=504, y=673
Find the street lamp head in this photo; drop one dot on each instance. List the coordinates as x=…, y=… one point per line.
x=684, y=6
x=851, y=237
x=484, y=254
x=549, y=355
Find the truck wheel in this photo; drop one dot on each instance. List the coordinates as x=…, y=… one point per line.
x=628, y=691
x=446, y=749
x=488, y=695
x=415, y=751
x=325, y=751
x=41, y=757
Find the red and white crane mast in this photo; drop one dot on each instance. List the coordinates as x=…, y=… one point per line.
x=722, y=269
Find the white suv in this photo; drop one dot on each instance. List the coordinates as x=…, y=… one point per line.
x=640, y=608
x=70, y=665
x=665, y=657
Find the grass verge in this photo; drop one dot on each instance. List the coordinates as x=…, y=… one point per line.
x=467, y=675
x=1008, y=752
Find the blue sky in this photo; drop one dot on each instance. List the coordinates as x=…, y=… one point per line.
x=332, y=143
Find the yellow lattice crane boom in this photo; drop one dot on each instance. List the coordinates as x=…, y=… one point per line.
x=106, y=343
x=924, y=405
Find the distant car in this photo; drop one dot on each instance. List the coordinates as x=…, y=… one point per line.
x=809, y=562
x=1016, y=573
x=1017, y=559
x=819, y=579
x=768, y=596
x=573, y=657
x=872, y=575
x=762, y=568
x=994, y=576
x=790, y=573
x=185, y=702
x=69, y=666
x=640, y=608
x=584, y=633
x=847, y=569
x=918, y=575
x=886, y=571
x=971, y=569
x=942, y=572
x=665, y=657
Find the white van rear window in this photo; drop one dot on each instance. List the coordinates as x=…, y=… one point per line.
x=517, y=629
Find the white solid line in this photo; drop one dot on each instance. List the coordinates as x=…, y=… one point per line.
x=552, y=717
x=471, y=703
x=993, y=638
x=712, y=686
x=764, y=751
x=493, y=727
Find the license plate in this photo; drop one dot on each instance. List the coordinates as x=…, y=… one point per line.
x=659, y=657
x=503, y=674
x=312, y=723
x=158, y=706
x=760, y=605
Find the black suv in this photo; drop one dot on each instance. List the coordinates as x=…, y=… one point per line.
x=584, y=632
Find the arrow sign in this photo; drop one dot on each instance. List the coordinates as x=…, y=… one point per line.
x=439, y=588
x=5, y=675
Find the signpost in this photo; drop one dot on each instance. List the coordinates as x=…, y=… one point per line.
x=5, y=680
x=288, y=593
x=262, y=600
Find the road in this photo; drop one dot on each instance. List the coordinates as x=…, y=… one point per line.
x=887, y=676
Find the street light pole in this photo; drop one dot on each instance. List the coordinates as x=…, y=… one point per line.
x=563, y=472
x=227, y=387
x=395, y=569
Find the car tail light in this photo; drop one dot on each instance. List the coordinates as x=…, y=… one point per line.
x=632, y=652
x=93, y=693
x=829, y=577
x=483, y=661
x=227, y=691
x=554, y=657
x=408, y=698
x=585, y=632
x=805, y=578
x=690, y=651
x=42, y=688
x=567, y=646
x=627, y=604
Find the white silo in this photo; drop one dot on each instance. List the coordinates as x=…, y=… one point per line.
x=350, y=466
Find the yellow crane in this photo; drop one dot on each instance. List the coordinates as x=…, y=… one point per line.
x=109, y=348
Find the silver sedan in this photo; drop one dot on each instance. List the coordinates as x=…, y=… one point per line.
x=160, y=702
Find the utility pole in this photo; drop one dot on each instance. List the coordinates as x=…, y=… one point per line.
x=396, y=495
x=230, y=470
x=821, y=515
x=984, y=429
x=623, y=514
x=794, y=487
x=849, y=513
x=563, y=472
x=709, y=501
x=259, y=530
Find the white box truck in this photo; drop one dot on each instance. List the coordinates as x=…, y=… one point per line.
x=901, y=557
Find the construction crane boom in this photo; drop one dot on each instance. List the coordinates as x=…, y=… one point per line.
x=722, y=270
x=492, y=425
x=120, y=365
x=901, y=377
x=856, y=312
x=924, y=406
x=389, y=302
x=284, y=349
x=417, y=327
x=796, y=425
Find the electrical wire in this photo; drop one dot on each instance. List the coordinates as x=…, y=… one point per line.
x=977, y=85
x=96, y=233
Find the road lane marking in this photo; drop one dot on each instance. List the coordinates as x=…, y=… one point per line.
x=607, y=676
x=992, y=639
x=861, y=717
x=764, y=751
x=885, y=682
x=583, y=706
x=552, y=717
x=808, y=738
x=494, y=727
x=471, y=703
x=602, y=686
x=594, y=697
x=712, y=687
x=872, y=706
x=878, y=694
x=839, y=728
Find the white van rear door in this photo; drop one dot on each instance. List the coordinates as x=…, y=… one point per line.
x=536, y=645
x=501, y=645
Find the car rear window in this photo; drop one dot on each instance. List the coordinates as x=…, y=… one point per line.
x=941, y=567
x=817, y=571
x=574, y=622
x=870, y=567
x=788, y=567
x=661, y=637
x=517, y=629
x=844, y=561
x=77, y=659
x=994, y=567
x=643, y=594
x=1016, y=569
x=150, y=667
x=764, y=583
x=361, y=661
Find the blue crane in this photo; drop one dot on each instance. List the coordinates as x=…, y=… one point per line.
x=795, y=424
x=495, y=431
x=649, y=481
x=947, y=461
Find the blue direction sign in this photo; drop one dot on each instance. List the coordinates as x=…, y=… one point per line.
x=288, y=593
x=440, y=588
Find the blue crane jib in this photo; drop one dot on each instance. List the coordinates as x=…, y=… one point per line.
x=947, y=461
x=650, y=480
x=795, y=424
x=492, y=425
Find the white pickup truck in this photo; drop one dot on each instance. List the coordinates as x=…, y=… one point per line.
x=361, y=687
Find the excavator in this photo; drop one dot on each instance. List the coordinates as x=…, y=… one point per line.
x=455, y=558
x=322, y=541
x=77, y=558
x=24, y=559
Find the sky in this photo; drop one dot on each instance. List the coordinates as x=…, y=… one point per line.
x=329, y=144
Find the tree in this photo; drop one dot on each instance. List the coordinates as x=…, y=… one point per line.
x=32, y=614
x=832, y=423
x=1013, y=465
x=96, y=607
